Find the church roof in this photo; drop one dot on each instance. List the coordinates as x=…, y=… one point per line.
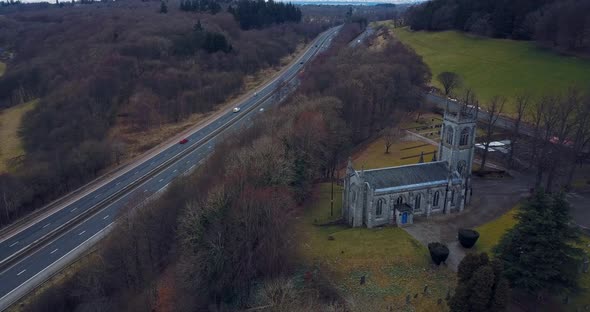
x=423, y=174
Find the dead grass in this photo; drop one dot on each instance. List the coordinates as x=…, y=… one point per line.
x=400, y=153
x=394, y=264
x=10, y=142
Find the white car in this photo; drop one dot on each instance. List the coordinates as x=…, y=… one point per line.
x=236, y=109
x=255, y=93
x=261, y=109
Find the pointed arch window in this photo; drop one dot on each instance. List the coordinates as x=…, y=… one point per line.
x=453, y=197
x=399, y=201
x=449, y=135
x=464, y=137
x=379, y=209
x=436, y=198
x=418, y=201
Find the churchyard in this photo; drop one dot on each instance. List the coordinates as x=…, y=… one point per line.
x=395, y=262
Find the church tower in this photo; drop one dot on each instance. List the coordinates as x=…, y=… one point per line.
x=457, y=143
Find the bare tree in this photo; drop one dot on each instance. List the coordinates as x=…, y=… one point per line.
x=581, y=136
x=522, y=102
x=493, y=113
x=389, y=136
x=450, y=81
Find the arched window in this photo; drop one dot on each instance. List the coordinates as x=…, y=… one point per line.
x=449, y=135
x=353, y=195
x=399, y=201
x=417, y=201
x=453, y=197
x=436, y=198
x=464, y=137
x=461, y=166
x=380, y=204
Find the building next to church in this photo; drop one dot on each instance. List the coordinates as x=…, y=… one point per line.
x=396, y=195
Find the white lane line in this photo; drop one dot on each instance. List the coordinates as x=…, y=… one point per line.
x=46, y=225
x=54, y=262
x=81, y=232
x=175, y=170
x=53, y=251
x=188, y=161
x=117, y=183
x=13, y=244
x=73, y=209
x=21, y=272
x=151, y=163
x=144, y=191
x=160, y=180
x=136, y=172
x=191, y=168
x=96, y=196
x=105, y=217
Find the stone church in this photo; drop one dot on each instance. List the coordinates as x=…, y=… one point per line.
x=395, y=195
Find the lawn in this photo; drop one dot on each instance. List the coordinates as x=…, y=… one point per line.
x=496, y=66
x=400, y=153
x=491, y=232
x=10, y=143
x=394, y=264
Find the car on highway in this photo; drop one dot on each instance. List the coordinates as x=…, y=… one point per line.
x=261, y=109
x=301, y=63
x=183, y=141
x=255, y=93
x=236, y=109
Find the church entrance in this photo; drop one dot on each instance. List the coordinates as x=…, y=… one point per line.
x=404, y=218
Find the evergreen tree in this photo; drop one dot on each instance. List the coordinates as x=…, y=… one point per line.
x=537, y=253
x=481, y=286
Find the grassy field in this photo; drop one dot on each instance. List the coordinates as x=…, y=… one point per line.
x=10, y=143
x=496, y=66
x=395, y=265
x=491, y=232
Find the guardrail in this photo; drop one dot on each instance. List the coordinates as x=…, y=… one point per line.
x=57, y=232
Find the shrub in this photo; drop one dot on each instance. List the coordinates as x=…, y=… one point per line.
x=468, y=237
x=438, y=252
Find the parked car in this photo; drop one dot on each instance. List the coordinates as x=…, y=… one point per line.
x=183, y=141
x=236, y=109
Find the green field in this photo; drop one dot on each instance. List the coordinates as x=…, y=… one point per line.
x=497, y=66
x=10, y=143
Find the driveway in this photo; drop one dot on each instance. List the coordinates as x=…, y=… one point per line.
x=491, y=199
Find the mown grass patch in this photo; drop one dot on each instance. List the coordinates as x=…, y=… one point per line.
x=400, y=153
x=496, y=66
x=10, y=142
x=394, y=264
x=491, y=232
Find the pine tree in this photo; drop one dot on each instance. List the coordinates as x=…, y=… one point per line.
x=537, y=253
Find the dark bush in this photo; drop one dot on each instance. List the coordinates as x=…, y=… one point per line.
x=438, y=252
x=468, y=237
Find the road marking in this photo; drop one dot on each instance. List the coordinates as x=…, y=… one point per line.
x=53, y=251
x=144, y=191
x=21, y=272
x=160, y=180
x=188, y=161
x=46, y=225
x=151, y=163
x=105, y=217
x=13, y=244
x=117, y=183
x=175, y=170
x=209, y=146
x=96, y=196
x=73, y=209
x=82, y=232
x=136, y=172
x=191, y=168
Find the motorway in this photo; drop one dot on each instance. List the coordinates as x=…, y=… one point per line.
x=24, y=267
